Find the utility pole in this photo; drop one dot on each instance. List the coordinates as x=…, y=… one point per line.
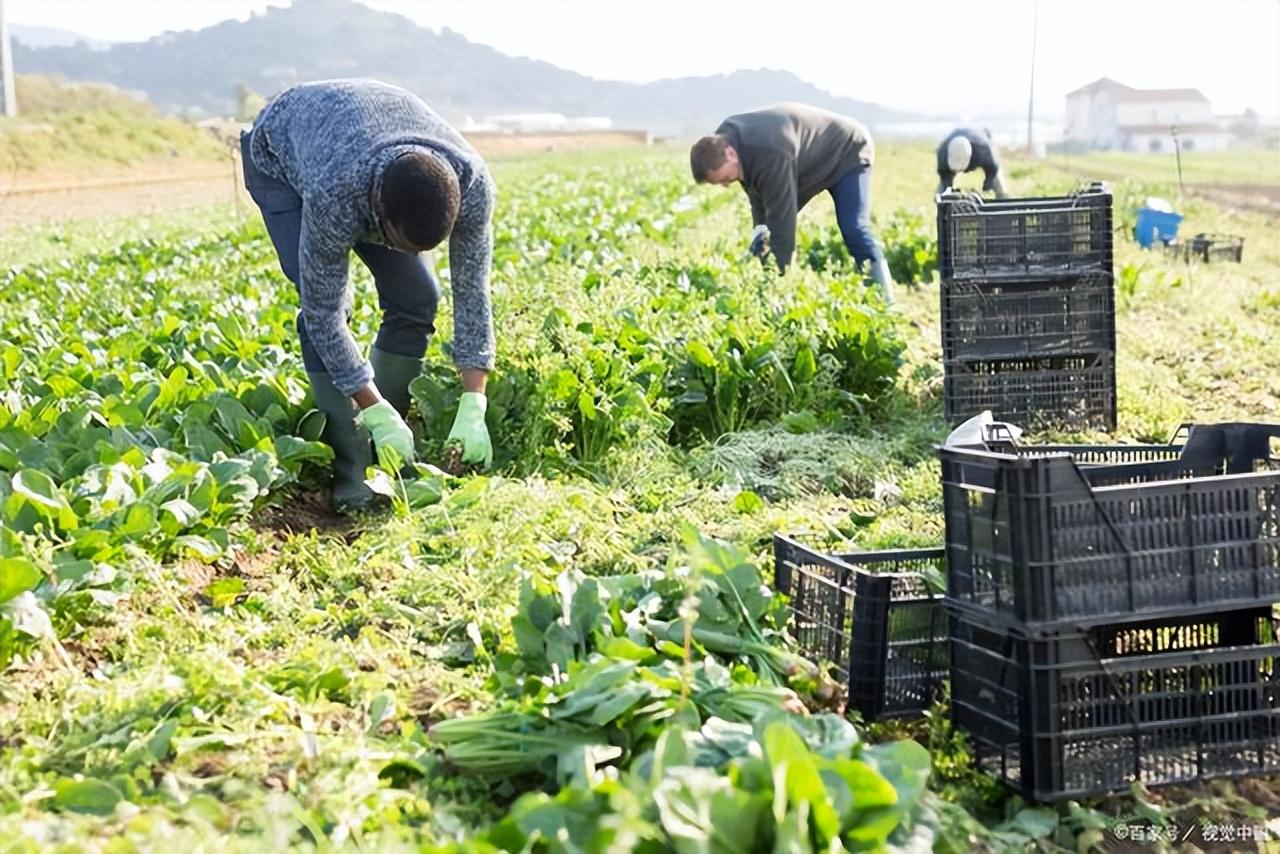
x=1177, y=152
x=8, y=98
x=1031, y=95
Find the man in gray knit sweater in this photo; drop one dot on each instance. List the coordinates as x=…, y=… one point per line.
x=784, y=156
x=346, y=166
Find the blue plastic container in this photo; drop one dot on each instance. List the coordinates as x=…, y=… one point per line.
x=1155, y=225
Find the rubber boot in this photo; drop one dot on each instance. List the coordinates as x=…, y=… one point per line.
x=392, y=374
x=880, y=273
x=352, y=449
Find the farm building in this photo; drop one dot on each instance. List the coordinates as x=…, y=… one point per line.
x=541, y=123
x=1110, y=115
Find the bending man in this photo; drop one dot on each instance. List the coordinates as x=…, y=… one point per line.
x=965, y=150
x=784, y=156
x=359, y=166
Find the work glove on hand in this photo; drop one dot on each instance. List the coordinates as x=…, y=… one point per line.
x=760, y=241
x=470, y=430
x=389, y=433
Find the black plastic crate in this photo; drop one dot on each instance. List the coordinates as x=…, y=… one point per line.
x=1020, y=238
x=874, y=618
x=1002, y=320
x=1084, y=714
x=1215, y=247
x=1042, y=537
x=1076, y=392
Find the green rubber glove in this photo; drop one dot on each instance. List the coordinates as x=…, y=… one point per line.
x=469, y=429
x=390, y=434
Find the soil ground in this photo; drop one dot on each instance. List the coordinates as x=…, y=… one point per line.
x=179, y=184
x=49, y=198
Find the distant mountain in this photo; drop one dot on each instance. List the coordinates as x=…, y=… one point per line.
x=34, y=35
x=197, y=71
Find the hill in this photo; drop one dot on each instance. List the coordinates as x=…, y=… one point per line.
x=34, y=35
x=81, y=127
x=197, y=71
x=42, y=97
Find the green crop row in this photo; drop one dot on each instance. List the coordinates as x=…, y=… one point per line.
x=154, y=395
x=530, y=661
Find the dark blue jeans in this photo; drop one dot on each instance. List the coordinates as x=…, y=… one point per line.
x=408, y=292
x=852, y=195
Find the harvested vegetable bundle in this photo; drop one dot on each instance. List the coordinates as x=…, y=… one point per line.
x=787, y=783
x=712, y=605
x=604, y=710
x=607, y=665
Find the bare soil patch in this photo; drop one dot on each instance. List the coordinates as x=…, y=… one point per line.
x=50, y=198
x=1264, y=198
x=300, y=512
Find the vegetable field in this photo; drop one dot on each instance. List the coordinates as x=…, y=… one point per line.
x=578, y=651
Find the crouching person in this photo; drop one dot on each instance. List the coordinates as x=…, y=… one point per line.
x=965, y=150
x=359, y=166
x=784, y=156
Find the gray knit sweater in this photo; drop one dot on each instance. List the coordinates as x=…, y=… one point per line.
x=330, y=141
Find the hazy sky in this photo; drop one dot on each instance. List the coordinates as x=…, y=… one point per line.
x=929, y=55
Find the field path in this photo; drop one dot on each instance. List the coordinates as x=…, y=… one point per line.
x=121, y=192
x=1261, y=197
x=1253, y=197
x=179, y=184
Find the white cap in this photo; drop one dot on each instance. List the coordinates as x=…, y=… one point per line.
x=980, y=429
x=959, y=153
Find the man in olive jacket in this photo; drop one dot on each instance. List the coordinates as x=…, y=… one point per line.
x=784, y=156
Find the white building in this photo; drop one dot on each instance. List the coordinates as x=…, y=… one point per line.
x=546, y=123
x=1109, y=115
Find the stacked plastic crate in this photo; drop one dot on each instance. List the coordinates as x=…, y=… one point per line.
x=1112, y=610
x=1028, y=308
